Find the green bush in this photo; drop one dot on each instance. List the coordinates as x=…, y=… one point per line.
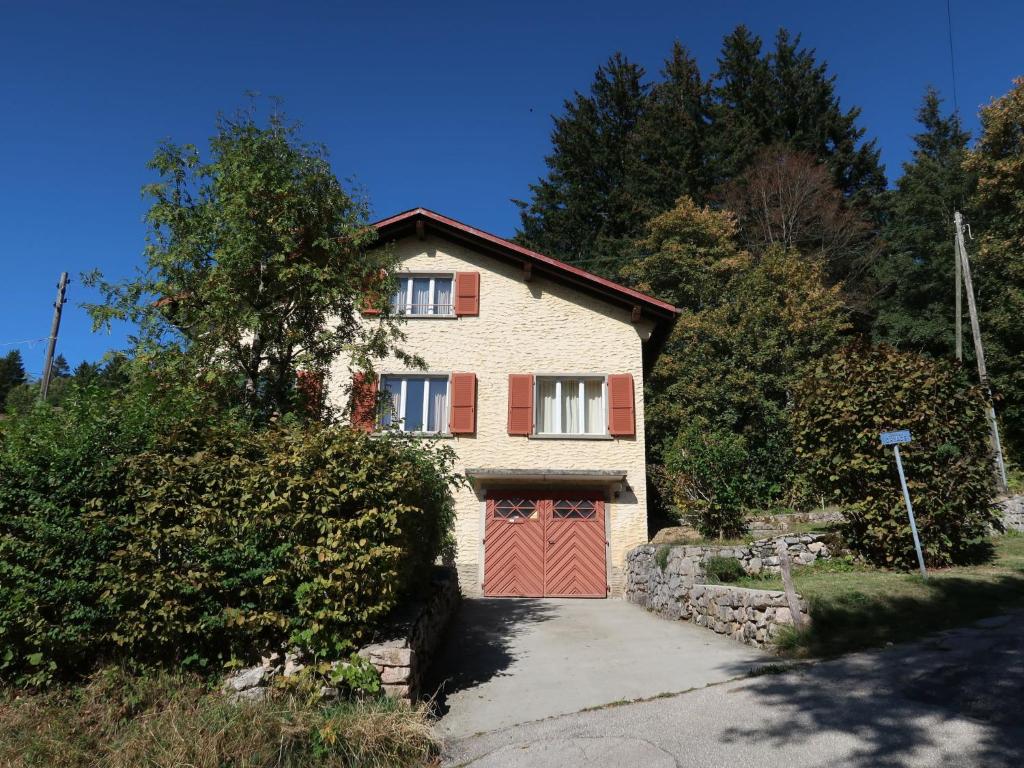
x=705, y=473
x=723, y=570
x=54, y=462
x=136, y=526
x=843, y=406
x=302, y=534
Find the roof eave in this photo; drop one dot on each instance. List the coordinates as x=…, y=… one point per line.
x=395, y=226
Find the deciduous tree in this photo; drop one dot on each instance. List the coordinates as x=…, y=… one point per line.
x=751, y=323
x=257, y=266
x=787, y=199
x=998, y=251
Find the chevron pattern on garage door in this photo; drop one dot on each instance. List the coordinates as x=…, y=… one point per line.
x=538, y=546
x=514, y=548
x=574, y=555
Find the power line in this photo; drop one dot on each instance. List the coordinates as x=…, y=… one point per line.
x=23, y=341
x=952, y=59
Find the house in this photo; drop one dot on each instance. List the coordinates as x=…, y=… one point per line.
x=535, y=372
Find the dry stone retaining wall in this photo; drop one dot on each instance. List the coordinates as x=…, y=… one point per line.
x=1012, y=509
x=678, y=591
x=765, y=525
x=401, y=661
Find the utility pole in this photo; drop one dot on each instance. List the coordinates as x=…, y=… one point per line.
x=979, y=352
x=58, y=306
x=959, y=300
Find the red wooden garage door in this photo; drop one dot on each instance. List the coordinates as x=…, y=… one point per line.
x=546, y=545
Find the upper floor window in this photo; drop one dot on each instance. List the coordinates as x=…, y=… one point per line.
x=570, y=405
x=416, y=403
x=420, y=295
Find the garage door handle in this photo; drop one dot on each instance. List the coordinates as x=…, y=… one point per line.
x=551, y=541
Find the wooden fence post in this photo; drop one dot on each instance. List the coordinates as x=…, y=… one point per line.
x=787, y=583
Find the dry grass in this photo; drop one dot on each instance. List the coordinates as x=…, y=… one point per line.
x=163, y=720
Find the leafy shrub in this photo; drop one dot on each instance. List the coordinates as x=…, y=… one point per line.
x=197, y=540
x=309, y=535
x=723, y=570
x=705, y=470
x=843, y=406
x=53, y=464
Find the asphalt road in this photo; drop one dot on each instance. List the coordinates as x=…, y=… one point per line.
x=955, y=699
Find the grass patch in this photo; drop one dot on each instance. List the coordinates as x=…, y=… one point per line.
x=856, y=606
x=1015, y=480
x=799, y=529
x=117, y=720
x=702, y=541
x=723, y=570
x=661, y=557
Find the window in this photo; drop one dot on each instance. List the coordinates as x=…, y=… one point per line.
x=415, y=403
x=513, y=509
x=424, y=295
x=570, y=406
x=570, y=509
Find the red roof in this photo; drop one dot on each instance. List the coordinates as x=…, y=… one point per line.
x=396, y=225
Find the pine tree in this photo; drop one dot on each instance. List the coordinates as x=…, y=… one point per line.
x=669, y=157
x=916, y=274
x=627, y=150
x=12, y=373
x=583, y=211
x=60, y=367
x=787, y=97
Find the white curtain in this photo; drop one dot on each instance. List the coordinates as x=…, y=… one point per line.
x=570, y=406
x=548, y=406
x=443, y=296
x=401, y=297
x=437, y=404
x=594, y=393
x=420, y=296
x=393, y=409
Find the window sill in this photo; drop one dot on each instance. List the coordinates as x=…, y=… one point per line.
x=428, y=317
x=439, y=435
x=570, y=437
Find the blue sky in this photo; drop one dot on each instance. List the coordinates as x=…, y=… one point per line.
x=445, y=105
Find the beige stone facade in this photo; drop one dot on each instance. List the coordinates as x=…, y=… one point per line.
x=540, y=326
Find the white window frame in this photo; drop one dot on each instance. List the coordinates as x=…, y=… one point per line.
x=407, y=278
x=398, y=420
x=559, y=379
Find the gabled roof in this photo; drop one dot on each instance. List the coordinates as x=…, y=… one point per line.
x=420, y=219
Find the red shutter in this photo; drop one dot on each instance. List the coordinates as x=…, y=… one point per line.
x=364, y=401
x=621, y=414
x=520, y=403
x=462, y=420
x=467, y=293
x=310, y=386
x=371, y=296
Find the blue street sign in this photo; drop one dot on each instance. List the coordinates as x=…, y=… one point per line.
x=897, y=437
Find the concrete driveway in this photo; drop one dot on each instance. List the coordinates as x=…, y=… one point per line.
x=954, y=699
x=509, y=661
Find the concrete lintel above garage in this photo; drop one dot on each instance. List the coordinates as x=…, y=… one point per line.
x=487, y=477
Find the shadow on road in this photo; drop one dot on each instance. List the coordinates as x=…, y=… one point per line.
x=902, y=700
x=478, y=644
